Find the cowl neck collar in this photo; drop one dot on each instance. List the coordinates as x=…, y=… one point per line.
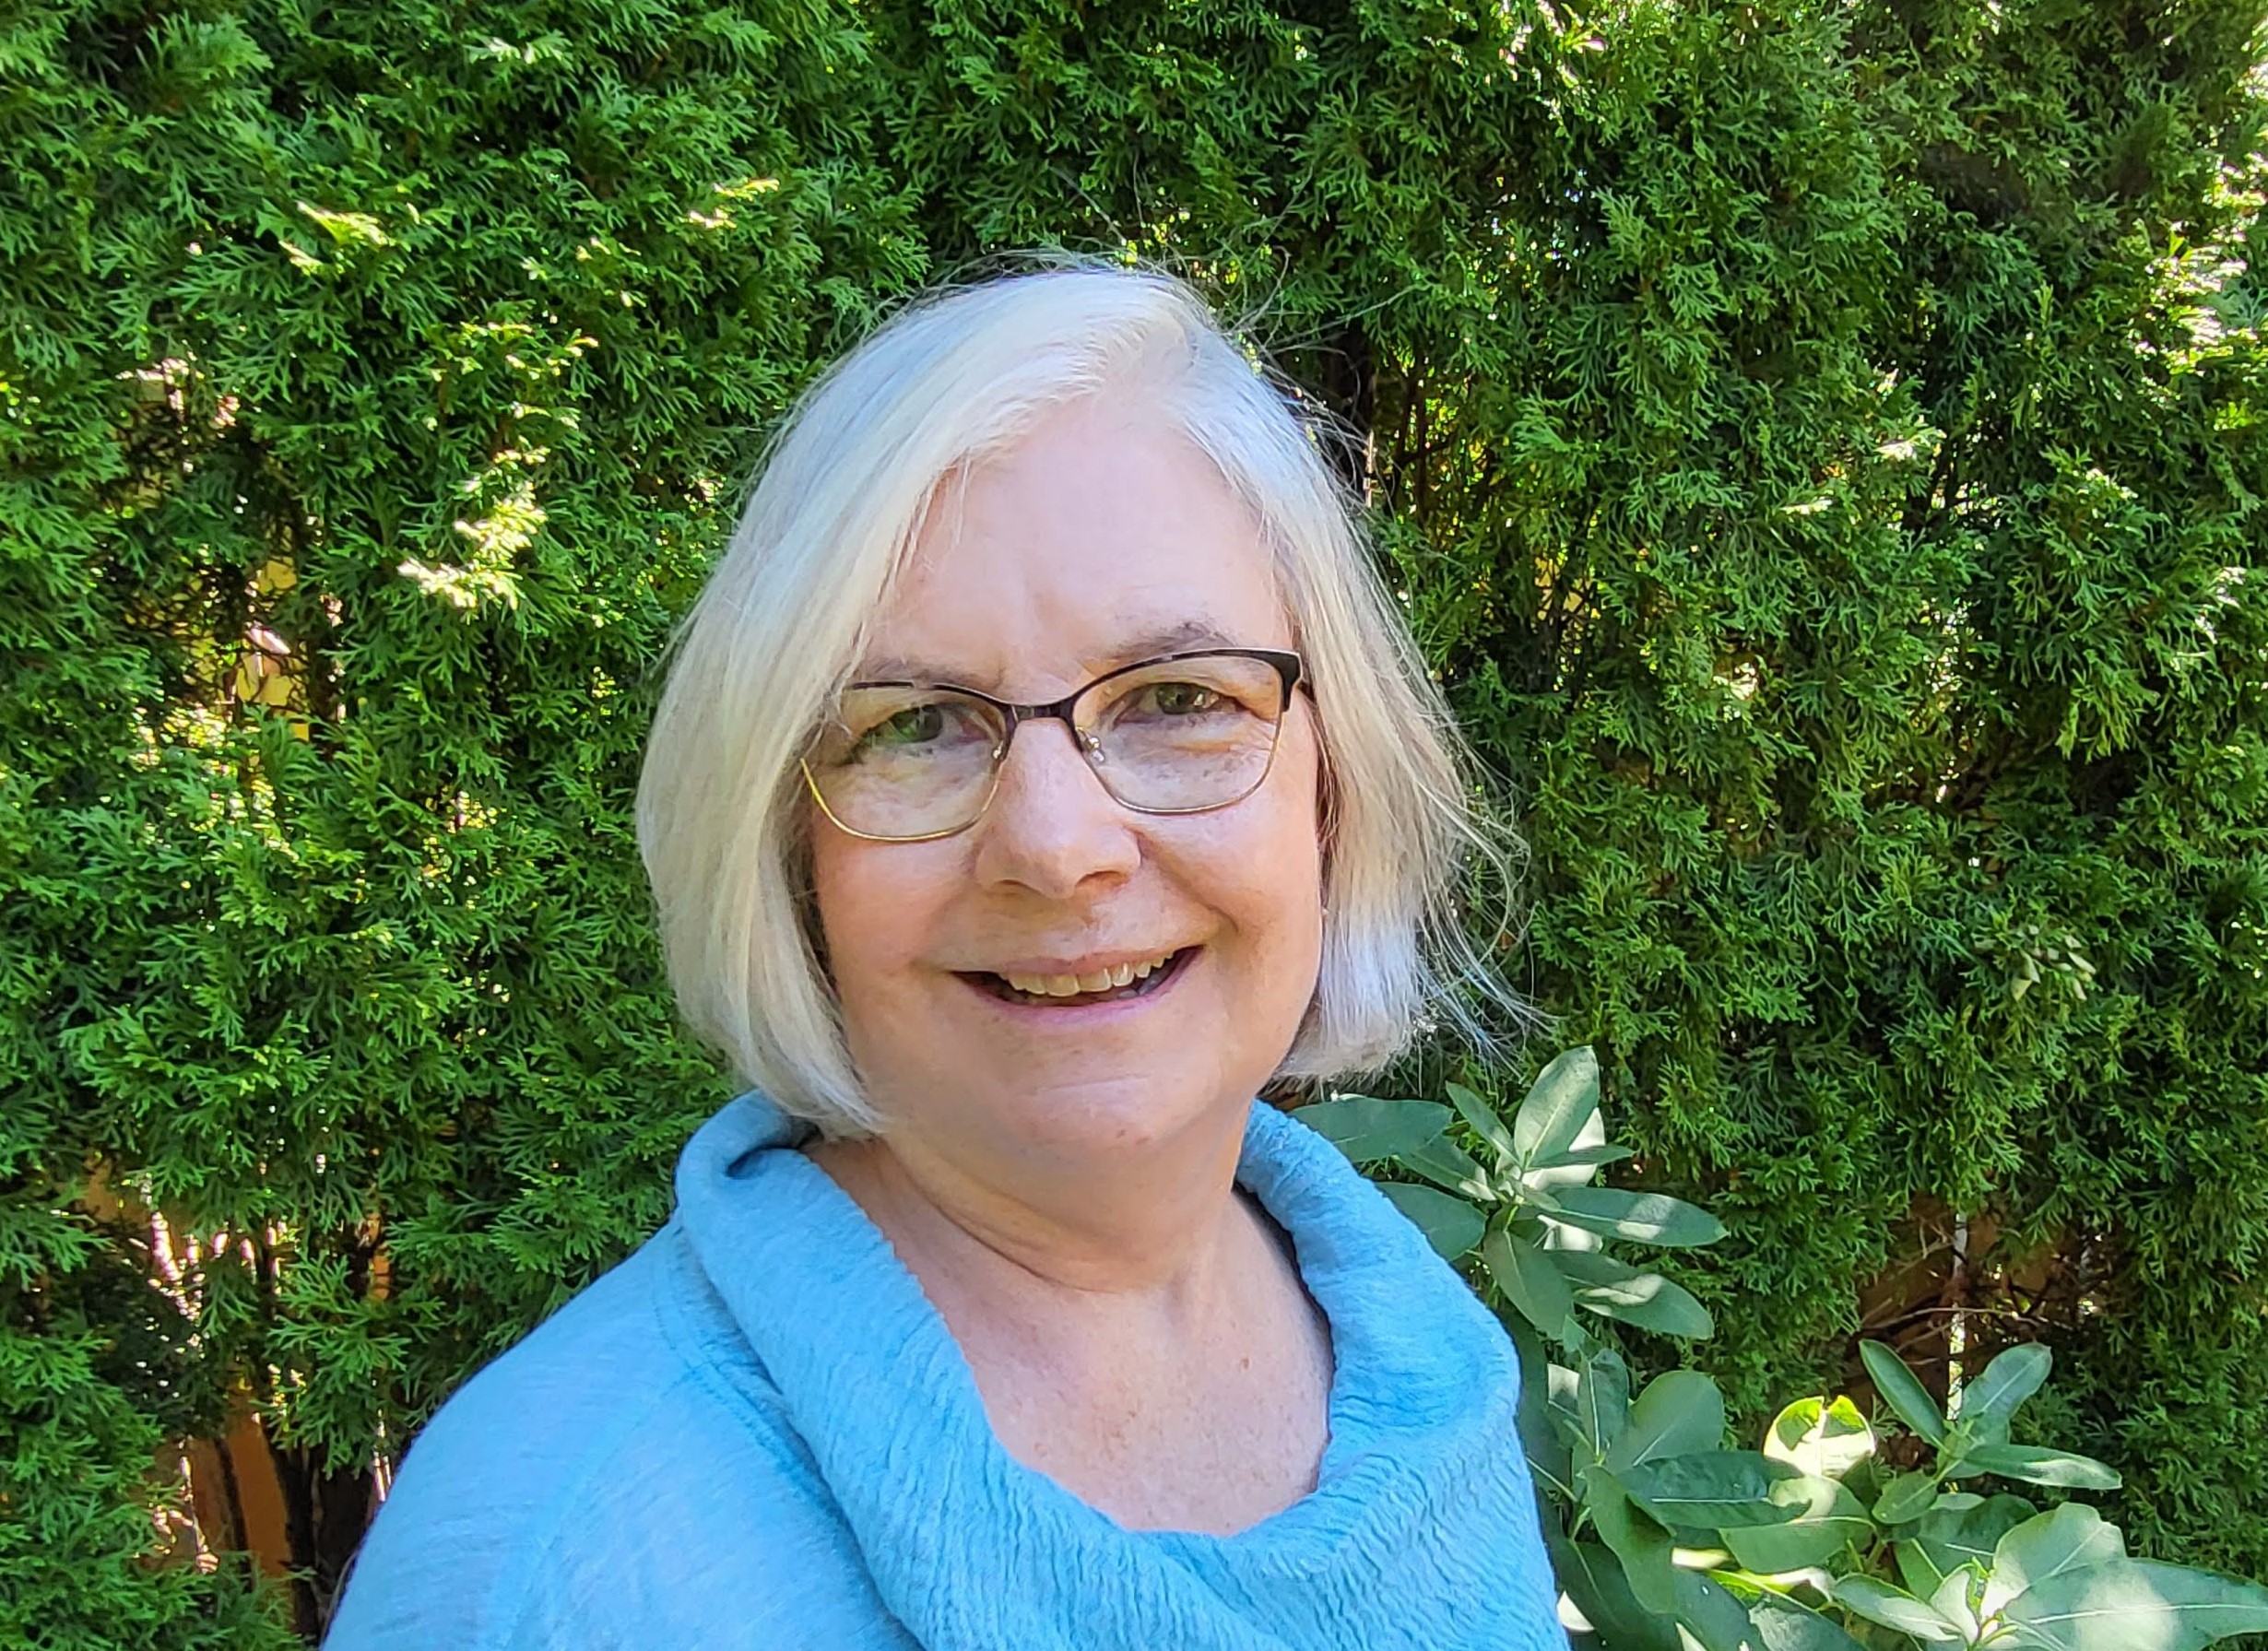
x=1422, y=1489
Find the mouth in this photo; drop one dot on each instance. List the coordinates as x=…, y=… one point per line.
x=1121, y=984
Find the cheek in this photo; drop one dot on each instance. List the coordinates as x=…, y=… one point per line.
x=1279, y=864
x=874, y=906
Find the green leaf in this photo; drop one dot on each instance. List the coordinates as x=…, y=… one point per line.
x=2007, y=1382
x=1584, y=1158
x=1784, y=1624
x=1369, y=1130
x=1578, y=1166
x=1588, y=1269
x=2136, y=1605
x=1592, y=1579
x=1548, y=1456
x=1448, y=1166
x=1602, y=1400
x=1481, y=1120
x=1711, y=1615
x=1917, y=1568
x=1678, y=1414
x=1641, y=1218
x=1829, y=1519
x=1645, y=1300
x=1893, y=1608
x=1715, y=1490
x=1909, y=1496
x=1902, y=1391
x=1450, y=1225
x=1563, y=1400
x=1558, y=1105
x=2073, y=1538
x=2037, y=1466
x=1642, y=1545
x=1528, y=1280
x=1557, y=1237
x=1946, y=1540
x=1818, y=1437
x=1956, y=1599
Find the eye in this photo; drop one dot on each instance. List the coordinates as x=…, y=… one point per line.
x=916, y=725
x=1183, y=698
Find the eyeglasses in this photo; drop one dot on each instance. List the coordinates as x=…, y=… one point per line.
x=1181, y=733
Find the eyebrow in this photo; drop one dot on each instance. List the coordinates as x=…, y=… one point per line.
x=1188, y=636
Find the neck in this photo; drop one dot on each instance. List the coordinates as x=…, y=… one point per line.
x=1143, y=1222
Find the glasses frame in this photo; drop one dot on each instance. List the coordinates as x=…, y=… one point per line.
x=1289, y=667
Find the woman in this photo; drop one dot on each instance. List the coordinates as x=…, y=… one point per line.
x=1042, y=773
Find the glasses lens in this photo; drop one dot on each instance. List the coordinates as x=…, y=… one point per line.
x=1184, y=734
x=906, y=762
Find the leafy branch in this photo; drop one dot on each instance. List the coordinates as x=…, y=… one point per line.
x=1663, y=1540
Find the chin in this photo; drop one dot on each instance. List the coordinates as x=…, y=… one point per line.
x=1119, y=1112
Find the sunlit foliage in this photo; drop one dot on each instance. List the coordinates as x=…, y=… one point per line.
x=1820, y=444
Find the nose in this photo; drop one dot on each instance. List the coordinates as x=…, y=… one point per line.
x=1051, y=825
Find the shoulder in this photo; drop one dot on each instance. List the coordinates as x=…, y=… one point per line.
x=608, y=1464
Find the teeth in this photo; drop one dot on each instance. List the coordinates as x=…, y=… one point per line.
x=1071, y=985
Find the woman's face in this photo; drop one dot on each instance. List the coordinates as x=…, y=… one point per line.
x=1102, y=539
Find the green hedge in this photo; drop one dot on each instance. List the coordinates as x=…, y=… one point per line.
x=1820, y=446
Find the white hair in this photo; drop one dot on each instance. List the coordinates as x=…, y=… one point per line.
x=778, y=632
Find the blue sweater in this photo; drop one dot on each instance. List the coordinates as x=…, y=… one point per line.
x=757, y=1433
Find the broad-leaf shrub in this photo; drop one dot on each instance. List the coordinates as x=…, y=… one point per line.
x=1527, y=1201
x=1661, y=1537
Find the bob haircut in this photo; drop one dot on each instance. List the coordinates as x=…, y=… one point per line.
x=778, y=630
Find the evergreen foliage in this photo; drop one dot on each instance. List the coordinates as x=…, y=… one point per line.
x=1819, y=444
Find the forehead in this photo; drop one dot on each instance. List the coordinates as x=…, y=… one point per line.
x=1102, y=538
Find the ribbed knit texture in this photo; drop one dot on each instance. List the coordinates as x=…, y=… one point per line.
x=758, y=1432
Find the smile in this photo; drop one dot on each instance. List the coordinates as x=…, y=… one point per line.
x=1072, y=991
